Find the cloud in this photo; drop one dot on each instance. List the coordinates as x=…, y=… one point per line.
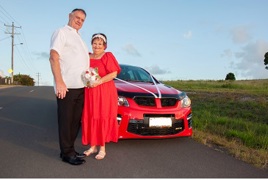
x=227, y=53
x=240, y=34
x=155, y=70
x=41, y=55
x=131, y=50
x=251, y=64
x=188, y=35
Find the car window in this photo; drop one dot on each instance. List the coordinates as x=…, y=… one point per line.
x=132, y=73
x=142, y=75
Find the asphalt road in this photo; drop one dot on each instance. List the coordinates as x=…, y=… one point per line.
x=29, y=148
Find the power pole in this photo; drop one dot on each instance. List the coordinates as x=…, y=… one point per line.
x=38, y=75
x=12, y=48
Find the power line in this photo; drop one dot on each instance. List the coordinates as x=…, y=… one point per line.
x=6, y=17
x=4, y=38
x=6, y=14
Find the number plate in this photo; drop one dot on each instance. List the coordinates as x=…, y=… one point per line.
x=160, y=122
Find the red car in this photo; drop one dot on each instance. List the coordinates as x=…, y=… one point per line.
x=150, y=109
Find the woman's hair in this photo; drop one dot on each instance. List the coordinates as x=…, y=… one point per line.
x=100, y=36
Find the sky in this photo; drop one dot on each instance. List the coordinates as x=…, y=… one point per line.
x=172, y=39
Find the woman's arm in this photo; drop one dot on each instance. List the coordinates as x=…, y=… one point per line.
x=104, y=79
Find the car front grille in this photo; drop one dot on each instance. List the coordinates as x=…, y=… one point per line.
x=145, y=101
x=168, y=102
x=150, y=101
x=141, y=127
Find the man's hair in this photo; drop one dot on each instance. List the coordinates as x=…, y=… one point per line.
x=82, y=10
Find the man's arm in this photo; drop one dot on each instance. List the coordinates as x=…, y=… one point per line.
x=61, y=88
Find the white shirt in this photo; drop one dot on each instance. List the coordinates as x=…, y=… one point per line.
x=73, y=54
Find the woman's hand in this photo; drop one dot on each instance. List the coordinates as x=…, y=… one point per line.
x=96, y=83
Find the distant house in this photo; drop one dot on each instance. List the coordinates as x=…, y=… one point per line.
x=1, y=77
x=3, y=80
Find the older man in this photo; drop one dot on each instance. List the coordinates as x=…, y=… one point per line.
x=68, y=59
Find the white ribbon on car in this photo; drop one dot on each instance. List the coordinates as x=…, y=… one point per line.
x=156, y=87
x=142, y=87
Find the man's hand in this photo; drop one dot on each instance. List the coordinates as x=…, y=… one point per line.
x=61, y=90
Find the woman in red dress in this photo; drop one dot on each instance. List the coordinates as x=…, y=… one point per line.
x=99, y=120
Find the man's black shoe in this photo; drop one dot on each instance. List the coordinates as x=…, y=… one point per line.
x=80, y=155
x=74, y=160
x=77, y=155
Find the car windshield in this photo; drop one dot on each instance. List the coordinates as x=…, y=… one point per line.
x=133, y=73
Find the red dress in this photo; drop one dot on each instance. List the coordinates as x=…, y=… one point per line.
x=99, y=119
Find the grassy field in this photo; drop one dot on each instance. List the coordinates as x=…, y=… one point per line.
x=231, y=116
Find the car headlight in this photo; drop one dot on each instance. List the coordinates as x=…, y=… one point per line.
x=122, y=101
x=186, y=102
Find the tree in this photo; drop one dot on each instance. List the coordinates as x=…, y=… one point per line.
x=230, y=76
x=23, y=79
x=266, y=60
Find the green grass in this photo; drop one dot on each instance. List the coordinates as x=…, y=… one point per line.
x=253, y=86
x=231, y=110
